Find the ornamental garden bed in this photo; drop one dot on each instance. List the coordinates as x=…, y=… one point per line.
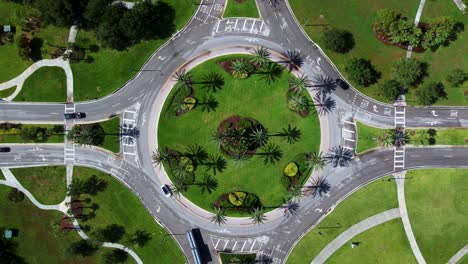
x=217, y=134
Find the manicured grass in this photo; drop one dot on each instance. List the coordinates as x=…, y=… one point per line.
x=356, y=17
x=445, y=59
x=372, y=199
x=241, y=8
x=15, y=137
x=251, y=97
x=7, y=92
x=437, y=209
x=47, y=184
x=117, y=205
x=385, y=243
x=10, y=62
x=47, y=84
x=111, y=140
x=110, y=68
x=36, y=240
x=2, y=177
x=236, y=258
x=368, y=137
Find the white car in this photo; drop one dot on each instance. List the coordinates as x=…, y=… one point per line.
x=166, y=190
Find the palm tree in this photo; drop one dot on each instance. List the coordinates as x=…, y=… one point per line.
x=240, y=69
x=319, y=186
x=339, y=156
x=179, y=187
x=298, y=102
x=325, y=104
x=271, y=153
x=140, y=238
x=259, y=136
x=219, y=216
x=257, y=215
x=208, y=104
x=197, y=153
x=213, y=81
x=398, y=137
x=292, y=135
x=216, y=163
x=299, y=84
x=208, y=184
x=324, y=85
x=184, y=78
x=261, y=56
x=159, y=156
x=270, y=72
x=218, y=137
x=293, y=60
x=295, y=193
x=87, y=134
x=315, y=161
x=290, y=208
x=180, y=172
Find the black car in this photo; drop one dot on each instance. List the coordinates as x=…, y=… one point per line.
x=5, y=149
x=342, y=84
x=74, y=115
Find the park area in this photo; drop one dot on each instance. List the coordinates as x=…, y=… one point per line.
x=241, y=8
x=205, y=135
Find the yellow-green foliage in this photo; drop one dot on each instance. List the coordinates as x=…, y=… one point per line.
x=237, y=198
x=291, y=169
x=187, y=163
x=239, y=75
x=11, y=131
x=189, y=103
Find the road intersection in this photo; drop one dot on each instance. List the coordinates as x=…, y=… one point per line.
x=208, y=35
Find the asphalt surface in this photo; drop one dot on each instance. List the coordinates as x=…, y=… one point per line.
x=206, y=33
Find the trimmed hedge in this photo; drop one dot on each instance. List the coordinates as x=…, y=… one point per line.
x=291, y=169
x=237, y=198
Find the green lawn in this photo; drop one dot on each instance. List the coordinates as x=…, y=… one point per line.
x=385, y=243
x=11, y=63
x=437, y=209
x=14, y=136
x=241, y=8
x=111, y=140
x=369, y=137
x=356, y=17
x=47, y=84
x=7, y=92
x=1, y=176
x=447, y=58
x=372, y=199
x=110, y=68
x=251, y=97
x=47, y=184
x=117, y=205
x=36, y=239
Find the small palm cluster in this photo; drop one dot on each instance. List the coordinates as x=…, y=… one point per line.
x=256, y=214
x=397, y=137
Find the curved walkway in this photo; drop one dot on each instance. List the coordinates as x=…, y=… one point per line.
x=62, y=207
x=20, y=79
x=400, y=182
x=353, y=231
x=459, y=255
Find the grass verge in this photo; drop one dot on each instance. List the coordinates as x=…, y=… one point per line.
x=228, y=258
x=385, y=243
x=35, y=134
x=437, y=209
x=117, y=205
x=111, y=139
x=47, y=84
x=7, y=92
x=241, y=8
x=372, y=199
x=47, y=184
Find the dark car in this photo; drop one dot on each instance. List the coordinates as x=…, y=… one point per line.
x=5, y=149
x=74, y=115
x=342, y=84
x=166, y=190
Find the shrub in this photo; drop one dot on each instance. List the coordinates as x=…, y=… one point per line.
x=187, y=163
x=409, y=71
x=385, y=21
x=430, y=93
x=298, y=102
x=15, y=195
x=251, y=201
x=441, y=30
x=291, y=169
x=456, y=77
x=237, y=198
x=391, y=89
x=340, y=41
x=361, y=71
x=189, y=103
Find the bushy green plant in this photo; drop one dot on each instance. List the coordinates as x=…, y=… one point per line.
x=189, y=103
x=187, y=163
x=251, y=201
x=361, y=71
x=456, y=77
x=291, y=169
x=237, y=198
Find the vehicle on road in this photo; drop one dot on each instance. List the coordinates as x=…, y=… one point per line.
x=5, y=149
x=342, y=84
x=77, y=115
x=166, y=190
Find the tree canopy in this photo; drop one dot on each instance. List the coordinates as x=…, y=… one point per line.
x=456, y=77
x=408, y=71
x=391, y=89
x=361, y=71
x=441, y=30
x=430, y=92
x=340, y=41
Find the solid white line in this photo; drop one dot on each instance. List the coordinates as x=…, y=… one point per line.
x=348, y=139
x=217, y=27
x=255, y=241
x=348, y=148
x=128, y=153
x=115, y=105
x=216, y=246
x=346, y=121
x=350, y=131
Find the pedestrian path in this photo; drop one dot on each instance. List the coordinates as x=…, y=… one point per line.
x=400, y=182
x=416, y=22
x=353, y=231
x=459, y=255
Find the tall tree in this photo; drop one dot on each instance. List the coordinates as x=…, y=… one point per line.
x=94, y=11
x=197, y=153
x=339, y=156
x=184, y=78
x=215, y=163
x=109, y=31
x=257, y=216
x=290, y=134
x=295, y=194
x=261, y=56
x=111, y=233
x=408, y=71
x=259, y=136
x=319, y=186
x=299, y=84
x=160, y=156
x=324, y=104
x=240, y=69
x=208, y=103
x=290, y=208
x=271, y=153
x=456, y=77
x=391, y=89
x=82, y=247
x=270, y=72
x=361, y=71
x=139, y=237
x=398, y=137
x=179, y=187
x=324, y=84
x=292, y=60
x=315, y=161
x=93, y=185
x=219, y=216
x=87, y=134
x=115, y=256
x=340, y=41
x=430, y=92
x=213, y=81
x=208, y=184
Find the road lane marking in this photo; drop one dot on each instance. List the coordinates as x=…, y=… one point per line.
x=225, y=245
x=216, y=246
x=255, y=241
x=234, y=247
x=115, y=105
x=242, y=249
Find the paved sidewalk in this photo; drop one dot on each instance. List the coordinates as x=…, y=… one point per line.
x=353, y=231
x=459, y=255
x=400, y=181
x=460, y=5
x=416, y=22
